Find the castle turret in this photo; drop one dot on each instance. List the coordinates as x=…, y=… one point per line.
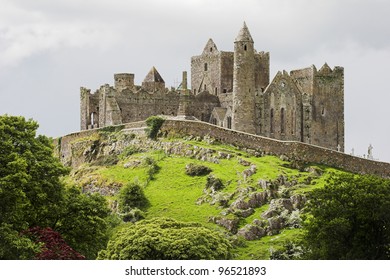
x=243, y=114
x=124, y=81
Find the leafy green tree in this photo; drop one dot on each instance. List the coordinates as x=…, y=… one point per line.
x=83, y=222
x=32, y=194
x=15, y=246
x=350, y=219
x=30, y=187
x=166, y=239
x=131, y=196
x=29, y=175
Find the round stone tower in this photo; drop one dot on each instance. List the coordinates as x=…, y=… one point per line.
x=243, y=113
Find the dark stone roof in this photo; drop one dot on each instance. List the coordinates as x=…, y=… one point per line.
x=153, y=76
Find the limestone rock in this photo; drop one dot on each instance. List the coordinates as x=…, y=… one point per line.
x=231, y=224
x=252, y=232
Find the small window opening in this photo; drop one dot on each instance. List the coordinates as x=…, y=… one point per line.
x=272, y=121
x=205, y=87
x=245, y=48
x=323, y=111
x=224, y=90
x=216, y=91
x=282, y=121
x=211, y=49
x=92, y=119
x=229, y=122
x=205, y=67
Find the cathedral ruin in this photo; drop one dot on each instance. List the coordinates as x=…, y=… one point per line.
x=232, y=90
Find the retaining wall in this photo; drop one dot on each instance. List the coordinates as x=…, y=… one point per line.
x=293, y=150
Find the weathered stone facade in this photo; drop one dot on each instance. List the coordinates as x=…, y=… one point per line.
x=232, y=90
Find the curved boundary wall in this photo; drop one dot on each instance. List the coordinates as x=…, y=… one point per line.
x=296, y=151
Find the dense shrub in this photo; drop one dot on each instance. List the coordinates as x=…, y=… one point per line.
x=131, y=196
x=154, y=124
x=167, y=239
x=214, y=183
x=153, y=168
x=197, y=170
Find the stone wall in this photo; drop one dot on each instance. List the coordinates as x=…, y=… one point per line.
x=293, y=150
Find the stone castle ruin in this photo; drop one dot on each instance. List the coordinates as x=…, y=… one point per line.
x=232, y=90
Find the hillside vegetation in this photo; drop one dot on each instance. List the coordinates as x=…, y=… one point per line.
x=131, y=194
x=255, y=200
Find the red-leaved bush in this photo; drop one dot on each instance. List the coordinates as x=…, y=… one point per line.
x=53, y=246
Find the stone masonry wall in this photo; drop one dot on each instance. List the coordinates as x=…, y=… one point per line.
x=293, y=150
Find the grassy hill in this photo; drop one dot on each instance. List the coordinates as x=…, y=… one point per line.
x=255, y=200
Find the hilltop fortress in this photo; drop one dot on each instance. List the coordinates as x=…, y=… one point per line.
x=232, y=90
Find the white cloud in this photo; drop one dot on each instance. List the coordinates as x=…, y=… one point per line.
x=37, y=32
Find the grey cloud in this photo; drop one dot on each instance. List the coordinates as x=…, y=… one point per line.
x=48, y=49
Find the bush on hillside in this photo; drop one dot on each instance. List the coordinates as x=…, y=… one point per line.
x=167, y=239
x=154, y=124
x=131, y=196
x=197, y=170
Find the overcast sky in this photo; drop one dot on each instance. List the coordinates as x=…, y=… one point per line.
x=48, y=49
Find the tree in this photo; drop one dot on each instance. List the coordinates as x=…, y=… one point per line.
x=82, y=222
x=29, y=174
x=15, y=246
x=166, y=239
x=32, y=194
x=53, y=246
x=29, y=183
x=350, y=219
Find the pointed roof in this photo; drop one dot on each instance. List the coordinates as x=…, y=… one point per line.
x=325, y=69
x=210, y=47
x=244, y=35
x=153, y=76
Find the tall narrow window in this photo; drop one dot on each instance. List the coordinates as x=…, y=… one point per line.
x=92, y=120
x=229, y=122
x=293, y=122
x=245, y=48
x=282, y=121
x=205, y=67
x=272, y=121
x=260, y=121
x=216, y=91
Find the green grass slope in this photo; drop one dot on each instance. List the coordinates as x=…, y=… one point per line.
x=172, y=193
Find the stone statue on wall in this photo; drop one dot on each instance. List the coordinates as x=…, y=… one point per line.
x=369, y=155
